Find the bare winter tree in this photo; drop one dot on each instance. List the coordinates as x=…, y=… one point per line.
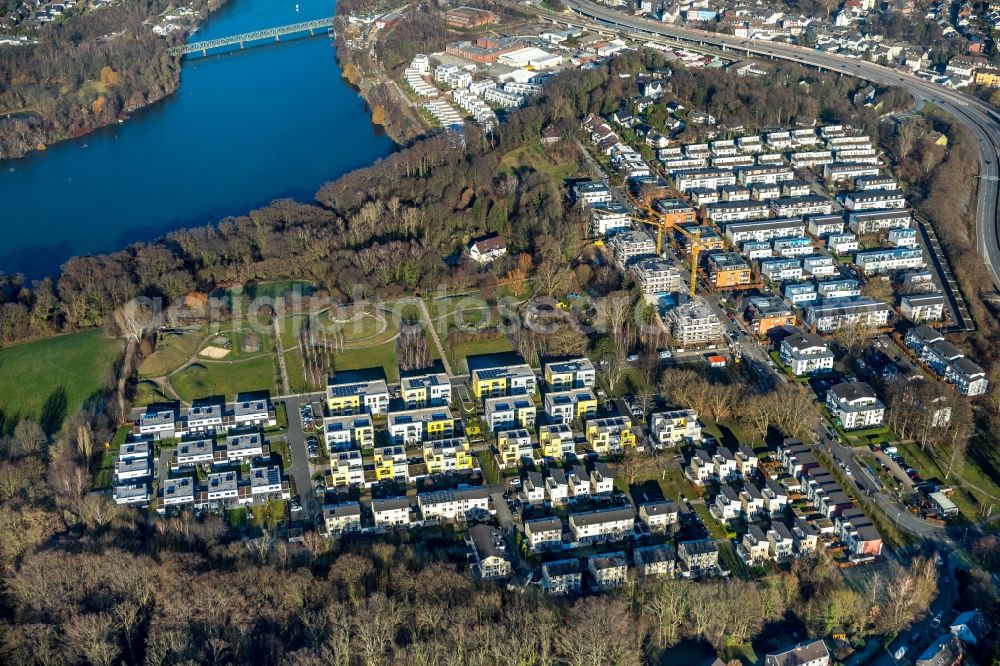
x=134, y=318
x=412, y=349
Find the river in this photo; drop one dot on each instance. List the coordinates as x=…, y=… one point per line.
x=244, y=128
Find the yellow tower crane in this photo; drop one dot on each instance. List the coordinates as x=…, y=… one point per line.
x=693, y=237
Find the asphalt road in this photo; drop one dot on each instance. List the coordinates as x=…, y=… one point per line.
x=299, y=467
x=976, y=115
x=893, y=511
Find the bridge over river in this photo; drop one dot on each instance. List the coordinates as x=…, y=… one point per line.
x=275, y=33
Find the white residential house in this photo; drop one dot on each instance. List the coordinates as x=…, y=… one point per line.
x=486, y=249
x=602, y=480
x=454, y=505
x=658, y=560
x=602, y=525
x=562, y=577
x=806, y=354
x=660, y=517
x=556, y=487
x=780, y=541
x=493, y=561
x=391, y=512
x=341, y=518
x=543, y=533
x=855, y=405
x=608, y=570
x=674, y=427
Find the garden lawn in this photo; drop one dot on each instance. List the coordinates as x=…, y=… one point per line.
x=205, y=379
x=30, y=373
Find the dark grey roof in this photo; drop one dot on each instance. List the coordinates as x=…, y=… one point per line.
x=489, y=541
x=544, y=524
x=391, y=503
x=660, y=508
x=699, y=546
x=562, y=567
x=602, y=516
x=663, y=552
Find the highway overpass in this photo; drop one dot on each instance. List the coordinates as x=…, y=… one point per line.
x=978, y=116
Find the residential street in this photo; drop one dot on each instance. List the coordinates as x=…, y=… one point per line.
x=299, y=467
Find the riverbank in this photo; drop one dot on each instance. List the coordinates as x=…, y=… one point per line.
x=391, y=109
x=118, y=76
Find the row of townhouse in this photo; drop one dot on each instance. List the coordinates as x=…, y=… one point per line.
x=808, y=204
x=133, y=473
x=611, y=570
x=722, y=466
x=388, y=513
x=842, y=313
x=235, y=448
x=738, y=232
x=559, y=486
x=224, y=489
x=206, y=415
x=886, y=260
x=601, y=134
x=875, y=220
x=757, y=547
x=947, y=361
x=859, y=537
x=475, y=106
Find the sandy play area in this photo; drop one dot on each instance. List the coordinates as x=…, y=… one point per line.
x=214, y=352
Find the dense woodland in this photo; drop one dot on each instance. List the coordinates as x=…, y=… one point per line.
x=85, y=72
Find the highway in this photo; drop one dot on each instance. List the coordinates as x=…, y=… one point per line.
x=976, y=115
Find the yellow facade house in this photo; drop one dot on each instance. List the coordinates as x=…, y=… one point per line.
x=610, y=435
x=555, y=441
x=513, y=445
x=448, y=455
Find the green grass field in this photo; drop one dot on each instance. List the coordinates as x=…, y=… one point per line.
x=147, y=392
x=204, y=379
x=382, y=356
x=364, y=330
x=172, y=351
x=32, y=372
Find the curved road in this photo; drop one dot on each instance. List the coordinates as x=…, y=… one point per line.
x=976, y=115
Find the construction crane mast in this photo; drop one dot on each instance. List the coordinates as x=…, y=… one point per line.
x=694, y=239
